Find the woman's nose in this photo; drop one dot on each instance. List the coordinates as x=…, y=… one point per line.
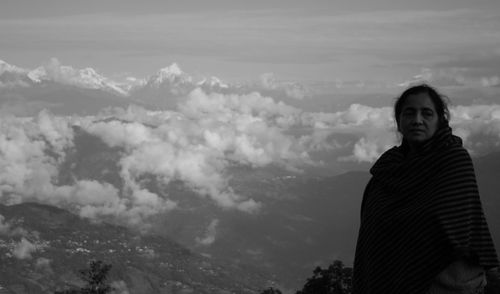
x=417, y=119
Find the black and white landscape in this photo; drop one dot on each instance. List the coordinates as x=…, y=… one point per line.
x=218, y=148
x=234, y=190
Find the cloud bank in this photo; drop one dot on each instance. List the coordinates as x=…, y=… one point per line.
x=24, y=249
x=197, y=145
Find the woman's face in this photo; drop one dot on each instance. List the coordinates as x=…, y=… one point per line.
x=418, y=120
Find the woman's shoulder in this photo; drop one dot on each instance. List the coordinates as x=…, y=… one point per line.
x=454, y=160
x=389, y=157
x=455, y=152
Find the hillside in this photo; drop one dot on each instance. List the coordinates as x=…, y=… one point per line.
x=304, y=221
x=43, y=247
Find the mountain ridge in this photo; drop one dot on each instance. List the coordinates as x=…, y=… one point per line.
x=57, y=244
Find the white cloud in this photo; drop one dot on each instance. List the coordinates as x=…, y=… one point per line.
x=9, y=229
x=439, y=77
x=372, y=127
x=479, y=127
x=29, y=172
x=365, y=150
x=197, y=146
x=25, y=168
x=268, y=81
x=211, y=132
x=4, y=226
x=493, y=81
x=116, y=133
x=210, y=234
x=24, y=249
x=55, y=130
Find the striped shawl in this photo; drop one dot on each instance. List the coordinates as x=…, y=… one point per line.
x=419, y=214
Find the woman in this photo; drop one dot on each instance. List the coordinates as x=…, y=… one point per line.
x=422, y=225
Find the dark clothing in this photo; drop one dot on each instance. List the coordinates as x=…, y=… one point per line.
x=420, y=213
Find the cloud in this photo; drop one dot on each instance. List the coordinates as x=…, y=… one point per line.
x=24, y=249
x=372, y=128
x=4, y=227
x=10, y=229
x=268, y=81
x=477, y=125
x=197, y=145
x=55, y=131
x=476, y=65
x=210, y=133
x=471, y=69
x=493, y=81
x=210, y=234
x=440, y=77
x=25, y=166
x=32, y=151
x=366, y=150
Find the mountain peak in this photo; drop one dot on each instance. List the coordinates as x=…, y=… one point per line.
x=7, y=67
x=213, y=82
x=90, y=77
x=86, y=78
x=171, y=74
x=37, y=74
x=172, y=69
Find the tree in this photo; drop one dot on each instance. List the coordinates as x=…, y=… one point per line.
x=336, y=279
x=271, y=290
x=95, y=276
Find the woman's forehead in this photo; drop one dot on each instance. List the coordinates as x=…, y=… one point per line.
x=419, y=101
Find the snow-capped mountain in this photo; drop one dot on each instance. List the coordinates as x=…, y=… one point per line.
x=213, y=83
x=132, y=83
x=87, y=78
x=170, y=79
x=66, y=90
x=171, y=75
x=170, y=85
x=13, y=76
x=6, y=67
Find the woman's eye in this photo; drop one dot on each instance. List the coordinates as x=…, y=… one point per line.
x=427, y=113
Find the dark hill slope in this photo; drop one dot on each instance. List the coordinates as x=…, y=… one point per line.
x=43, y=247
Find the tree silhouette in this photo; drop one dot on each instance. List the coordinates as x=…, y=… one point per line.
x=336, y=279
x=271, y=290
x=95, y=276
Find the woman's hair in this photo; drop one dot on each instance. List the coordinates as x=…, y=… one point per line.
x=438, y=99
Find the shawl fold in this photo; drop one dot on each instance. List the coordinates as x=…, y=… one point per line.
x=420, y=213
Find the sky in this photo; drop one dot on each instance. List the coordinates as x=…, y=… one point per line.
x=366, y=44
